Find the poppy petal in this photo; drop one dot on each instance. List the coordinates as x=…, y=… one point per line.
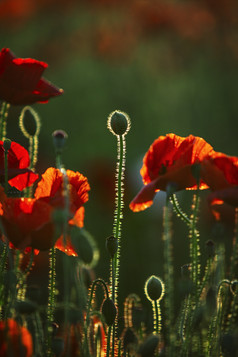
x=144, y=198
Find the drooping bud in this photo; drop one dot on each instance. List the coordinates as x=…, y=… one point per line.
x=154, y=288
x=118, y=123
x=109, y=311
x=59, y=139
x=7, y=144
x=112, y=245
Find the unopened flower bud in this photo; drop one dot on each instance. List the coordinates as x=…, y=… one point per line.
x=112, y=245
x=154, y=288
x=59, y=139
x=109, y=311
x=7, y=144
x=118, y=123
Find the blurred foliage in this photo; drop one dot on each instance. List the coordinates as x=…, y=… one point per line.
x=171, y=65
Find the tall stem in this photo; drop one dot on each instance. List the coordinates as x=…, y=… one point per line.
x=3, y=120
x=168, y=267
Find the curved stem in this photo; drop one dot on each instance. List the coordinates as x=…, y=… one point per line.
x=177, y=209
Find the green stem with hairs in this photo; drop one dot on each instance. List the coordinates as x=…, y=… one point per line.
x=3, y=120
x=117, y=226
x=169, y=288
x=118, y=213
x=177, y=209
x=51, y=301
x=6, y=171
x=195, y=247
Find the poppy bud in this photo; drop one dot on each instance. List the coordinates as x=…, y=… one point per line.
x=25, y=306
x=149, y=346
x=7, y=144
x=109, y=311
x=154, y=288
x=59, y=139
x=118, y=123
x=111, y=245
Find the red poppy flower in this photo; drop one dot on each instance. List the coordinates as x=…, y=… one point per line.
x=15, y=340
x=50, y=189
x=170, y=160
x=27, y=222
x=21, y=80
x=18, y=161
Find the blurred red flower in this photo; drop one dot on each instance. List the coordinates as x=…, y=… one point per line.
x=169, y=160
x=15, y=340
x=28, y=222
x=21, y=82
x=18, y=161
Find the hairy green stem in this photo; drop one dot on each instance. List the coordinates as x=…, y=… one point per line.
x=168, y=267
x=3, y=120
x=51, y=300
x=177, y=209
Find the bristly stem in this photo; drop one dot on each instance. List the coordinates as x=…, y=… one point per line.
x=118, y=212
x=168, y=280
x=177, y=209
x=194, y=246
x=6, y=170
x=119, y=124
x=32, y=138
x=51, y=300
x=3, y=120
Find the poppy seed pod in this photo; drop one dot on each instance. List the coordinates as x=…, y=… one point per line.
x=109, y=311
x=154, y=288
x=118, y=123
x=7, y=144
x=59, y=139
x=111, y=245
